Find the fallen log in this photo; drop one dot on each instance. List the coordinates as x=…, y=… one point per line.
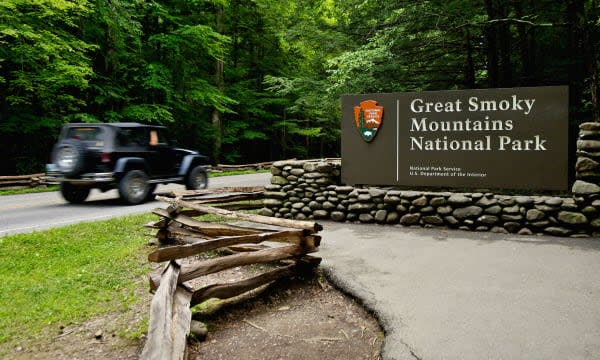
x=191, y=271
x=294, y=224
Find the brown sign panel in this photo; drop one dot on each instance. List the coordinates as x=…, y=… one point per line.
x=514, y=138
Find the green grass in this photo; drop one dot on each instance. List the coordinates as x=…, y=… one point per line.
x=237, y=172
x=30, y=190
x=66, y=275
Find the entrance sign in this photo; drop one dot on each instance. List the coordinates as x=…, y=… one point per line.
x=513, y=138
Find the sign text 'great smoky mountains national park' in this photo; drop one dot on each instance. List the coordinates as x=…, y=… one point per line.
x=513, y=138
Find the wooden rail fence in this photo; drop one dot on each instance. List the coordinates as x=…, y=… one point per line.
x=22, y=181
x=256, y=240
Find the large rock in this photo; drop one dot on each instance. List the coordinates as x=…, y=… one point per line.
x=512, y=226
x=586, y=164
x=392, y=217
x=328, y=205
x=487, y=219
x=524, y=200
x=364, y=197
x=433, y=220
x=278, y=180
x=365, y=218
x=558, y=231
x=410, y=219
x=411, y=194
x=338, y=216
x=437, y=201
x=314, y=205
x=374, y=192
x=457, y=199
x=324, y=167
x=391, y=199
x=272, y=203
x=297, y=172
x=361, y=207
x=275, y=194
x=266, y=212
x=444, y=210
x=272, y=187
x=494, y=210
x=595, y=223
x=585, y=188
x=320, y=214
x=511, y=209
x=380, y=216
x=590, y=126
x=420, y=201
x=343, y=189
x=588, y=145
x=535, y=215
x=486, y=201
x=572, y=218
x=467, y=212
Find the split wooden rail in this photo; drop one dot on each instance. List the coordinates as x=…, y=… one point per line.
x=22, y=181
x=257, y=239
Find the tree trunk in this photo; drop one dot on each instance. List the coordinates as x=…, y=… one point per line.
x=577, y=44
x=469, y=66
x=220, y=82
x=492, y=45
x=504, y=46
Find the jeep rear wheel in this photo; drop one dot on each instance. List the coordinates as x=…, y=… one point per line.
x=196, y=179
x=134, y=187
x=73, y=193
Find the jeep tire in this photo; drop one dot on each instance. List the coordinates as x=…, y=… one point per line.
x=196, y=179
x=69, y=156
x=134, y=187
x=73, y=193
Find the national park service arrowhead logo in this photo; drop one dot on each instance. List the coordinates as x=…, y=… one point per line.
x=368, y=118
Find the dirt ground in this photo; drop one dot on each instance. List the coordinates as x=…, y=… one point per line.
x=302, y=318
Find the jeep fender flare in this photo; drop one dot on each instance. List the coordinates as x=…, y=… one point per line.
x=189, y=162
x=130, y=163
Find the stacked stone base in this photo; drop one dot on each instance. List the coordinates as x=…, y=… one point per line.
x=311, y=190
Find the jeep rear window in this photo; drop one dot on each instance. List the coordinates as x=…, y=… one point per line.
x=93, y=135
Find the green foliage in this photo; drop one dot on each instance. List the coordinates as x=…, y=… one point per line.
x=263, y=78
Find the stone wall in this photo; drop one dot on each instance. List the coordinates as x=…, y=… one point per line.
x=312, y=190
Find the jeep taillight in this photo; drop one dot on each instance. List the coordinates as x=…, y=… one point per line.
x=105, y=157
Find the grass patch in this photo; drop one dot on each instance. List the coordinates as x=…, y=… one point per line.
x=236, y=172
x=66, y=275
x=39, y=189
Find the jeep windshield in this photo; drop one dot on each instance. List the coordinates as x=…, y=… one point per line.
x=92, y=136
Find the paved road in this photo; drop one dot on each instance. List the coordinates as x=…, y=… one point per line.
x=446, y=294
x=29, y=212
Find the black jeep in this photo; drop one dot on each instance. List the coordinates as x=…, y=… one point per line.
x=131, y=157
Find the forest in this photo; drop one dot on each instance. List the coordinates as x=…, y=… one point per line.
x=258, y=80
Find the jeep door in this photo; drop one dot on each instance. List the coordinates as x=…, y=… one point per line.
x=162, y=157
